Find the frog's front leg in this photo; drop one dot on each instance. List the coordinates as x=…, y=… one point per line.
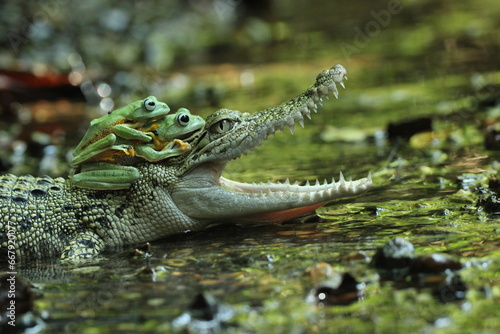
x=174, y=148
x=105, y=176
x=84, y=246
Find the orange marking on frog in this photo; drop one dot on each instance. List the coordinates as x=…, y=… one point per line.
x=115, y=156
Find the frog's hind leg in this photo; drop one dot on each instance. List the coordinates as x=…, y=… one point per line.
x=104, y=176
x=94, y=149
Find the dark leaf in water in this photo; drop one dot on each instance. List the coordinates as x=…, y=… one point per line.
x=452, y=289
x=406, y=129
x=490, y=205
x=492, y=137
x=204, y=315
x=393, y=260
x=343, y=289
x=204, y=307
x=433, y=264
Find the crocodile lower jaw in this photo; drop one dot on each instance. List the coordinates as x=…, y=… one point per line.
x=203, y=194
x=310, y=196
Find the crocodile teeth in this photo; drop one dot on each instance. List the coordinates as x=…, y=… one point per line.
x=301, y=122
x=341, y=179
x=307, y=113
x=299, y=118
x=311, y=105
x=323, y=90
x=318, y=190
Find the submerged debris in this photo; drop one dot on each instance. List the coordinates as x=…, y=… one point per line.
x=490, y=205
x=433, y=264
x=492, y=137
x=320, y=272
x=204, y=315
x=143, y=250
x=396, y=261
x=406, y=129
x=451, y=289
x=341, y=289
x=393, y=260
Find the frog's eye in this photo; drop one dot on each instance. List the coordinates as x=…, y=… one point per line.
x=182, y=119
x=149, y=104
x=222, y=126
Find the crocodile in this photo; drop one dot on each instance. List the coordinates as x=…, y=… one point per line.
x=44, y=218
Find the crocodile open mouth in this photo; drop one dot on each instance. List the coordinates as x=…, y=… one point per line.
x=229, y=134
x=312, y=196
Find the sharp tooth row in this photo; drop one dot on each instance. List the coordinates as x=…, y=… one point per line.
x=326, y=192
x=321, y=90
x=286, y=187
x=303, y=105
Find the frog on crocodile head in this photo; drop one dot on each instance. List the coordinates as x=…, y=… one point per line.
x=121, y=123
x=113, y=168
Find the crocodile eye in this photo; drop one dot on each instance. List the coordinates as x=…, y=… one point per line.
x=183, y=119
x=149, y=104
x=222, y=126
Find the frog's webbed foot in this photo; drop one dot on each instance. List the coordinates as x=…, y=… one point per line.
x=105, y=176
x=174, y=148
x=85, y=246
x=177, y=145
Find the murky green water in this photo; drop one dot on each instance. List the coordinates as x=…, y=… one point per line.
x=431, y=59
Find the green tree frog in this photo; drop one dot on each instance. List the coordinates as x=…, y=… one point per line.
x=121, y=123
x=113, y=168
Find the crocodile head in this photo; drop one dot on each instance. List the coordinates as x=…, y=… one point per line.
x=202, y=193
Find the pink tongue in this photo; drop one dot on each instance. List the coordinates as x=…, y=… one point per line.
x=281, y=216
